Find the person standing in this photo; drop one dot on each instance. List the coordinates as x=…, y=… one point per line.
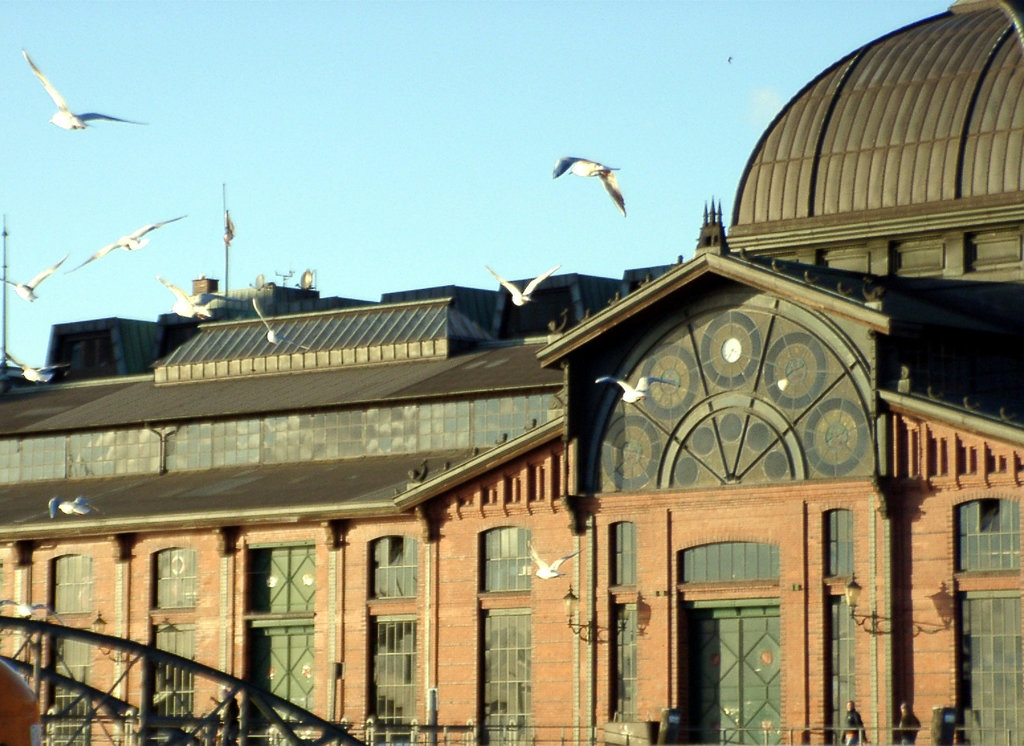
x=854, y=733
x=907, y=726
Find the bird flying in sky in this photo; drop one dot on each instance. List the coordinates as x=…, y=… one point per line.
x=191, y=306
x=546, y=571
x=27, y=290
x=130, y=242
x=583, y=167
x=43, y=374
x=64, y=118
x=630, y=393
x=521, y=297
x=79, y=506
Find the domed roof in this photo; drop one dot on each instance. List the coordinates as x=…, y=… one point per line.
x=929, y=113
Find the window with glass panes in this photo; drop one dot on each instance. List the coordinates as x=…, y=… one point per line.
x=839, y=542
x=625, y=675
x=730, y=560
x=72, y=584
x=394, y=563
x=176, y=578
x=623, y=548
x=507, y=563
x=283, y=579
x=174, y=686
x=393, y=698
x=70, y=709
x=988, y=533
x=506, y=672
x=282, y=659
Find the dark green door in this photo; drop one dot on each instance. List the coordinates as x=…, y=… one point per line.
x=735, y=666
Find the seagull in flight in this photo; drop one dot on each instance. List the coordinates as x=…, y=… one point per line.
x=43, y=374
x=583, y=167
x=632, y=394
x=79, y=506
x=546, y=571
x=64, y=118
x=191, y=306
x=524, y=296
x=272, y=336
x=130, y=242
x=27, y=610
x=27, y=290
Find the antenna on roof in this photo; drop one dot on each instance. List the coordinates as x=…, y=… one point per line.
x=3, y=281
x=306, y=283
x=285, y=275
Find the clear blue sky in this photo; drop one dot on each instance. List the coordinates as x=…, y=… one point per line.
x=385, y=145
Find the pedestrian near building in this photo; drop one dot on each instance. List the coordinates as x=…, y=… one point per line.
x=854, y=733
x=907, y=726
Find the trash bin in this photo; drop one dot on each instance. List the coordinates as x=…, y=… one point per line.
x=943, y=725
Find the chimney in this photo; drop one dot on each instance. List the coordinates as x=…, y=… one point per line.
x=204, y=285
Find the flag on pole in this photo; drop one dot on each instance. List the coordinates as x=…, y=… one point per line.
x=229, y=229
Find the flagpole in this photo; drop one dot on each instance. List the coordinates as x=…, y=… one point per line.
x=3, y=339
x=227, y=244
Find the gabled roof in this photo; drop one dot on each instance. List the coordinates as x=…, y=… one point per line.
x=886, y=305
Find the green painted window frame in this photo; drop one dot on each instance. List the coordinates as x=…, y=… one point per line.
x=394, y=567
x=506, y=560
x=393, y=660
x=729, y=561
x=988, y=535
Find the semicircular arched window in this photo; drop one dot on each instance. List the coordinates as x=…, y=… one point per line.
x=176, y=578
x=729, y=561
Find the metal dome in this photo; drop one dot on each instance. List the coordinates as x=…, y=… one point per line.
x=930, y=113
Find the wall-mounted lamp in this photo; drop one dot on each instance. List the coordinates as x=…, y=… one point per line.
x=99, y=624
x=583, y=630
x=873, y=622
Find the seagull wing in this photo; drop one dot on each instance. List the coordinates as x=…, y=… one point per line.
x=81, y=505
x=46, y=273
x=178, y=292
x=54, y=506
x=558, y=562
x=54, y=93
x=611, y=185
x=516, y=292
x=91, y=115
x=542, y=566
x=16, y=361
x=563, y=165
x=102, y=252
x=259, y=313
x=539, y=279
x=152, y=226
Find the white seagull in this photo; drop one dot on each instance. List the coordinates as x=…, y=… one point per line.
x=27, y=290
x=130, y=242
x=583, y=167
x=191, y=306
x=79, y=506
x=521, y=297
x=64, y=118
x=43, y=374
x=272, y=336
x=546, y=571
x=632, y=394
x=27, y=610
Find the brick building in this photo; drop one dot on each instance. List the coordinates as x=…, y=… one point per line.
x=817, y=500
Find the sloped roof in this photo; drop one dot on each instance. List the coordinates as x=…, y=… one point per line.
x=112, y=403
x=930, y=113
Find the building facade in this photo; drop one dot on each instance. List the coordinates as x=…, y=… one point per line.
x=817, y=499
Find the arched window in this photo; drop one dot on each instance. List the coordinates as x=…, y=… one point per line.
x=730, y=560
x=72, y=584
x=175, y=578
x=506, y=559
x=988, y=535
x=394, y=562
x=838, y=543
